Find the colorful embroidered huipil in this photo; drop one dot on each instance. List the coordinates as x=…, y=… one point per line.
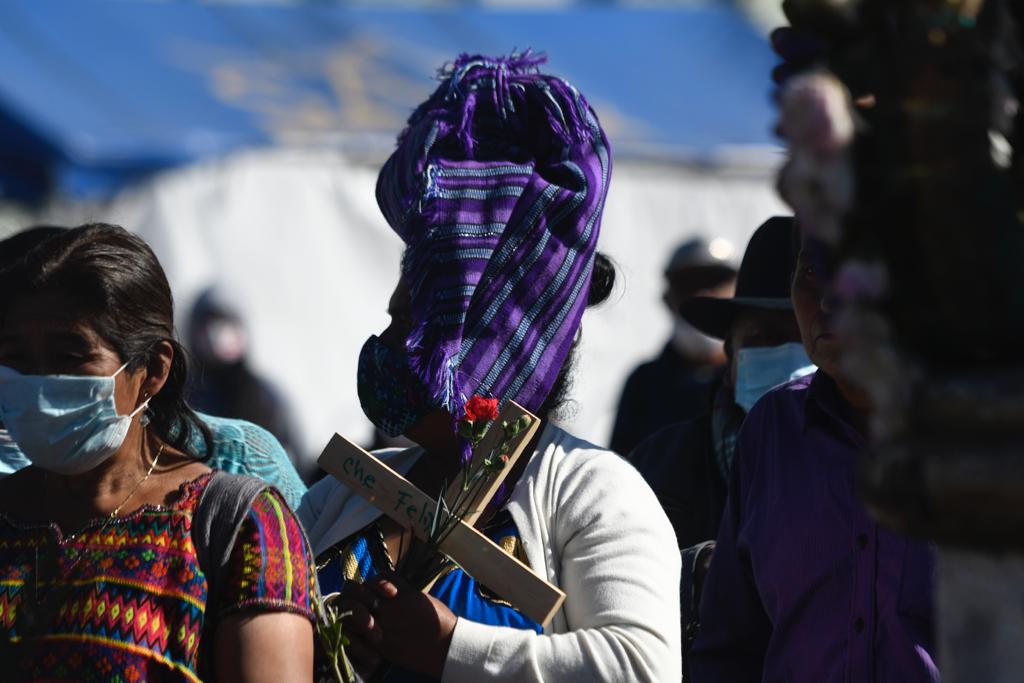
x=134, y=606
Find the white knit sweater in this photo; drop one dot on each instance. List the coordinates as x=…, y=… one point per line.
x=590, y=524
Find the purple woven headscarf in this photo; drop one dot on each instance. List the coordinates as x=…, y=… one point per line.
x=497, y=189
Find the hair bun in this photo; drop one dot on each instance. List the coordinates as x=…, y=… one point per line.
x=602, y=281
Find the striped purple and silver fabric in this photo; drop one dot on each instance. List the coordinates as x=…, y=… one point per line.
x=497, y=189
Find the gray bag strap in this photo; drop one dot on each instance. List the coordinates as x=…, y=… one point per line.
x=223, y=506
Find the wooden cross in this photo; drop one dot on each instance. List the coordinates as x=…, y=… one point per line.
x=408, y=506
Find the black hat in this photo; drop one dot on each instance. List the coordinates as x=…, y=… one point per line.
x=763, y=281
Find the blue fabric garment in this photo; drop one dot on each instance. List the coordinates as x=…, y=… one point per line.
x=239, y=447
x=467, y=598
x=805, y=587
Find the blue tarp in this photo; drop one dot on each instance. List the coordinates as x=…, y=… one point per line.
x=97, y=93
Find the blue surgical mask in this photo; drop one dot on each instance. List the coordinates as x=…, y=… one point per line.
x=66, y=424
x=392, y=396
x=760, y=369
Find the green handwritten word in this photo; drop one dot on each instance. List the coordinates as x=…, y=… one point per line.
x=354, y=468
x=425, y=512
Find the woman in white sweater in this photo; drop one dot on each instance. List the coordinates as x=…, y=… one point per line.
x=497, y=188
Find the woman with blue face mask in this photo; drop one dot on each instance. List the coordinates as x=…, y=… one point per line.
x=118, y=556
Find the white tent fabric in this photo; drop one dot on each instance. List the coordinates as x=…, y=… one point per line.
x=297, y=235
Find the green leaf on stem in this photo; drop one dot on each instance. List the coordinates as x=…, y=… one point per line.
x=331, y=633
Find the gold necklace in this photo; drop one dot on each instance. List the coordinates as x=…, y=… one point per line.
x=32, y=618
x=142, y=481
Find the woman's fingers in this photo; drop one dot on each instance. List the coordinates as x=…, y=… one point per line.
x=386, y=586
x=361, y=621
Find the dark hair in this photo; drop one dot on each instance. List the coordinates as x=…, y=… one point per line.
x=116, y=282
x=15, y=247
x=602, y=282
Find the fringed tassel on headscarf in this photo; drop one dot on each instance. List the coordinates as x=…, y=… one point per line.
x=440, y=370
x=510, y=78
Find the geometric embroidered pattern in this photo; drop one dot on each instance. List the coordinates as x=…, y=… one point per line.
x=132, y=608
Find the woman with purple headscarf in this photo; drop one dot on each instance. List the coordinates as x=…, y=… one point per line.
x=497, y=189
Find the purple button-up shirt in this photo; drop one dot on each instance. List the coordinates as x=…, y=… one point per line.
x=804, y=587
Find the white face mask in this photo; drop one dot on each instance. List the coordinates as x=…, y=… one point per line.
x=66, y=424
x=691, y=342
x=760, y=369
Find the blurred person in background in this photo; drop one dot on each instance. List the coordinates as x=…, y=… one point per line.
x=805, y=586
x=497, y=188
x=237, y=446
x=678, y=383
x=225, y=384
x=688, y=463
x=118, y=532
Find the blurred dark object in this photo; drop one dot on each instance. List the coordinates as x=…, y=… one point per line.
x=931, y=291
x=934, y=331
x=824, y=35
x=799, y=51
x=677, y=385
x=225, y=386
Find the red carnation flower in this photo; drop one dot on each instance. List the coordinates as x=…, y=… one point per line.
x=480, y=408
